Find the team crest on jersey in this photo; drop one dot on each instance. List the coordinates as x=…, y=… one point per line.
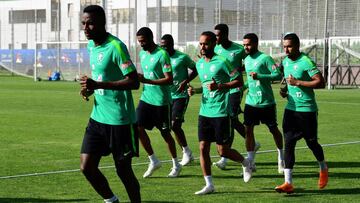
x=93, y=66
x=173, y=62
x=212, y=68
x=255, y=64
x=151, y=59
x=286, y=64
x=146, y=67
x=100, y=57
x=205, y=76
x=201, y=65
x=219, y=51
x=232, y=54
x=295, y=67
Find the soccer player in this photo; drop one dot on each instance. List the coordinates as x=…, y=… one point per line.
x=154, y=106
x=181, y=64
x=300, y=116
x=111, y=128
x=217, y=77
x=260, y=103
x=234, y=53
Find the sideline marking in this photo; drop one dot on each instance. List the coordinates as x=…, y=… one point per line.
x=145, y=163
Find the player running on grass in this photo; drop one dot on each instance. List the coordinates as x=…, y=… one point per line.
x=181, y=64
x=300, y=116
x=217, y=77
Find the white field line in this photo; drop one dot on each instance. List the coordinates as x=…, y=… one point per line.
x=145, y=163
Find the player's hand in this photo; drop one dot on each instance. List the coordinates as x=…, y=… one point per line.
x=213, y=85
x=182, y=86
x=190, y=90
x=292, y=81
x=85, y=94
x=88, y=83
x=283, y=92
x=141, y=77
x=254, y=75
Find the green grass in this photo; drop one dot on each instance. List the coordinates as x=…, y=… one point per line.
x=42, y=126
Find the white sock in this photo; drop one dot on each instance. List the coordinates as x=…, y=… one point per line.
x=186, y=150
x=208, y=180
x=245, y=162
x=288, y=175
x=280, y=154
x=175, y=162
x=224, y=160
x=111, y=200
x=153, y=158
x=251, y=156
x=322, y=165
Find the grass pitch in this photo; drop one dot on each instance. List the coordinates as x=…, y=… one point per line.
x=42, y=126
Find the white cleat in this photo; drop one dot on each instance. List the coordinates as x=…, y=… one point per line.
x=281, y=166
x=175, y=171
x=257, y=146
x=247, y=172
x=152, y=167
x=187, y=158
x=206, y=190
x=220, y=164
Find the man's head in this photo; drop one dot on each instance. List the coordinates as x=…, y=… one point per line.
x=93, y=21
x=250, y=42
x=222, y=33
x=145, y=38
x=291, y=45
x=207, y=43
x=167, y=42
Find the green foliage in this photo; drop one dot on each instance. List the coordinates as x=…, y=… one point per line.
x=42, y=126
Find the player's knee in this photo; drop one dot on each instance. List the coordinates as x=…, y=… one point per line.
x=176, y=125
x=312, y=143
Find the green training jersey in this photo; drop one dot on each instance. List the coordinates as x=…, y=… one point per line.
x=215, y=103
x=301, y=98
x=234, y=54
x=260, y=93
x=180, y=63
x=154, y=65
x=110, y=61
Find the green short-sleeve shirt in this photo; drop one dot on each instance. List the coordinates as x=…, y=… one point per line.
x=110, y=61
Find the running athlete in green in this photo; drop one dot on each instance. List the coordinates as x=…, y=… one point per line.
x=260, y=103
x=234, y=53
x=181, y=65
x=300, y=116
x=217, y=77
x=111, y=128
x=154, y=106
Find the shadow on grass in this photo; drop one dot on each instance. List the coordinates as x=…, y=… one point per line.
x=331, y=164
x=25, y=200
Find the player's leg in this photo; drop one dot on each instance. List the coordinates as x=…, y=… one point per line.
x=205, y=136
x=251, y=118
x=89, y=167
x=177, y=118
x=291, y=136
x=145, y=119
x=163, y=124
x=310, y=135
x=93, y=147
x=128, y=178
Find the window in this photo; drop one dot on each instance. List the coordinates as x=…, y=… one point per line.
x=55, y=15
x=24, y=46
x=28, y=16
x=179, y=14
x=122, y=15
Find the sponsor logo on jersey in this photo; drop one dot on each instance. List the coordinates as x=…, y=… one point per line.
x=212, y=68
x=100, y=57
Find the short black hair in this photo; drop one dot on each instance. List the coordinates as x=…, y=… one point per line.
x=211, y=35
x=223, y=28
x=98, y=11
x=293, y=37
x=146, y=32
x=252, y=36
x=168, y=38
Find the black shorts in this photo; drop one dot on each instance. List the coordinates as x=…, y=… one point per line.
x=297, y=125
x=150, y=116
x=179, y=108
x=254, y=115
x=103, y=139
x=214, y=130
x=235, y=101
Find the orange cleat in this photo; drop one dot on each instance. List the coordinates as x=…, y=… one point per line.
x=285, y=188
x=323, y=178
